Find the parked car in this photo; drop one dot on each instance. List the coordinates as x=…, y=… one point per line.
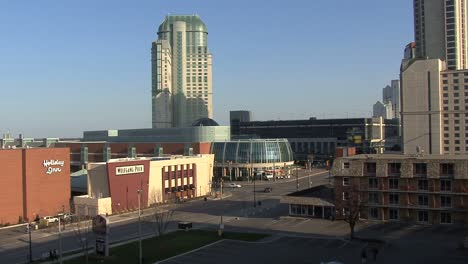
x=269, y=176
x=268, y=189
x=234, y=185
x=51, y=219
x=287, y=176
x=64, y=216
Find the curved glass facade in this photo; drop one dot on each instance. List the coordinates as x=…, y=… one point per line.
x=252, y=151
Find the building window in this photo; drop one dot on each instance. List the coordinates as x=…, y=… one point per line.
x=445, y=185
x=420, y=169
x=345, y=196
x=423, y=216
x=373, y=213
x=423, y=185
x=445, y=218
x=393, y=214
x=447, y=169
x=394, y=169
x=423, y=200
x=345, y=165
x=370, y=168
x=393, y=184
x=345, y=181
x=394, y=198
x=373, y=198
x=445, y=201
x=373, y=183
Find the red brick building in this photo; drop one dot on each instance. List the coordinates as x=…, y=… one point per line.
x=34, y=181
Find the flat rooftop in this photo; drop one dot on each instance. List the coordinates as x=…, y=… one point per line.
x=322, y=191
x=405, y=156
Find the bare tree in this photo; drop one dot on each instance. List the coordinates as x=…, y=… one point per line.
x=352, y=206
x=160, y=215
x=82, y=230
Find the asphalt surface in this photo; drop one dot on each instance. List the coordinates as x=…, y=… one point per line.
x=293, y=240
x=238, y=205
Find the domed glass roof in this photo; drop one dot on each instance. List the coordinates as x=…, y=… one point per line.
x=205, y=122
x=194, y=23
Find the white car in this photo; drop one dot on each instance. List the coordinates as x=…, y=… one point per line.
x=51, y=219
x=287, y=176
x=234, y=185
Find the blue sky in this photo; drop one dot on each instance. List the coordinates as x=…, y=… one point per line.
x=66, y=67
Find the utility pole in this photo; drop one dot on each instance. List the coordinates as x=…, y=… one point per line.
x=255, y=193
x=30, y=243
x=221, y=225
x=60, y=241
x=274, y=169
x=139, y=226
x=230, y=168
x=297, y=180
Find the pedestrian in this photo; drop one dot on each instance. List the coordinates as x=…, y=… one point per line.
x=375, y=251
x=363, y=256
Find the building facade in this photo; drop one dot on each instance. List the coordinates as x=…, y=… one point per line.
x=244, y=158
x=235, y=117
x=82, y=153
x=181, y=73
x=114, y=186
x=422, y=189
x=321, y=136
x=433, y=88
x=383, y=110
x=440, y=31
x=35, y=181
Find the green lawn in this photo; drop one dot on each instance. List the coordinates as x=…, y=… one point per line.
x=159, y=248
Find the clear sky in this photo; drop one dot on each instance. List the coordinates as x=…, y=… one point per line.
x=70, y=66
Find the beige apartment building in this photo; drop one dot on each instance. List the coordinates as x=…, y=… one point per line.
x=181, y=73
x=429, y=189
x=119, y=184
x=434, y=108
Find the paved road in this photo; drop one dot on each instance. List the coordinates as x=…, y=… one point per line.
x=14, y=242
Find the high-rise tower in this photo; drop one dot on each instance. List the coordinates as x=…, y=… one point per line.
x=181, y=72
x=440, y=31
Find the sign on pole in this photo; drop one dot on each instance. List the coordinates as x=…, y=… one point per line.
x=101, y=230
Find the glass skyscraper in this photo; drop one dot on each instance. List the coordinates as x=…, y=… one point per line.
x=181, y=73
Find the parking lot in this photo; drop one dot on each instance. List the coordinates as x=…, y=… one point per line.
x=280, y=250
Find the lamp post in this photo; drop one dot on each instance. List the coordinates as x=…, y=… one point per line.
x=30, y=243
x=230, y=167
x=139, y=191
x=221, y=225
x=60, y=241
x=255, y=192
x=297, y=180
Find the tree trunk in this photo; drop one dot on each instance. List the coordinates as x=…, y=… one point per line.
x=351, y=234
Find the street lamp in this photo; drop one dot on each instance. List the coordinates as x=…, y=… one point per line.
x=30, y=242
x=139, y=191
x=297, y=180
x=60, y=238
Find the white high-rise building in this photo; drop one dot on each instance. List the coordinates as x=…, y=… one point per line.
x=383, y=110
x=181, y=73
x=434, y=83
x=440, y=31
x=391, y=95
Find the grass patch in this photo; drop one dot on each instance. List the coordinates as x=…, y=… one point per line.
x=168, y=245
